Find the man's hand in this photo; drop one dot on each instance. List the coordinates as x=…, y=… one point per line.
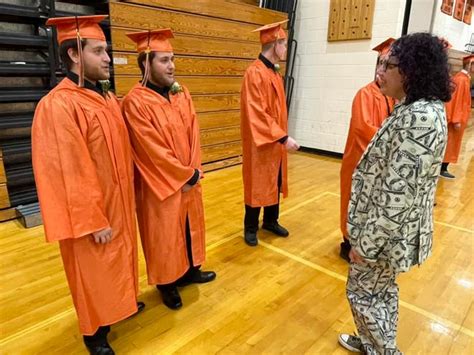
x=355, y=257
x=103, y=236
x=291, y=145
x=457, y=126
x=186, y=188
x=201, y=174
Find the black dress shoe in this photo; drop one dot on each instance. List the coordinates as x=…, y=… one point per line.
x=103, y=349
x=345, y=249
x=170, y=295
x=251, y=238
x=196, y=277
x=446, y=175
x=201, y=277
x=275, y=228
x=140, y=307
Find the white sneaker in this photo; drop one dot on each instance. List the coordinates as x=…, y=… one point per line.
x=351, y=342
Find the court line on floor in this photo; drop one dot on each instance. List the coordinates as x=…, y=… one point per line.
x=214, y=245
x=49, y=321
x=34, y=327
x=429, y=315
x=304, y=203
x=462, y=229
x=455, y=227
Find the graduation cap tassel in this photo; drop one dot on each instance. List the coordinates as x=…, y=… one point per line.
x=81, y=60
x=147, y=68
x=81, y=55
x=146, y=75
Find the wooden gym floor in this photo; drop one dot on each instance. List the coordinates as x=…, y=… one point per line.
x=284, y=296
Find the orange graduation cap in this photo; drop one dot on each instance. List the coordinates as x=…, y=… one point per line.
x=384, y=47
x=445, y=43
x=87, y=26
x=271, y=32
x=78, y=28
x=468, y=59
x=151, y=41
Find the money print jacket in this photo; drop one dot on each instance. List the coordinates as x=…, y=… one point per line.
x=390, y=213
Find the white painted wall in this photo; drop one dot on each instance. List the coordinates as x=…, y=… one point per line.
x=421, y=14
x=328, y=75
x=456, y=32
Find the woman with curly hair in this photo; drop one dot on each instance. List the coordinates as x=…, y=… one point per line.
x=390, y=216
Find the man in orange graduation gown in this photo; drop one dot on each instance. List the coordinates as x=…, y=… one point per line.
x=83, y=168
x=164, y=131
x=369, y=109
x=264, y=131
x=458, y=111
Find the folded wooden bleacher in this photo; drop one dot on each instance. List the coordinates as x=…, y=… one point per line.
x=213, y=46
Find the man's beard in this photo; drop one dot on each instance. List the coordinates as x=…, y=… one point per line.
x=97, y=74
x=161, y=80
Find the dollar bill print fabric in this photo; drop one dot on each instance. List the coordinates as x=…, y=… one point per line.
x=393, y=187
x=390, y=219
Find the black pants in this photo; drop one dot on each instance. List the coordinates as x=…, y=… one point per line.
x=192, y=269
x=99, y=337
x=270, y=213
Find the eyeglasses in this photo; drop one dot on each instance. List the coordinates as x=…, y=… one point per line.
x=386, y=65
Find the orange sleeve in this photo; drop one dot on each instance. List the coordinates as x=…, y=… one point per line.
x=465, y=111
x=69, y=192
x=195, y=134
x=361, y=120
x=459, y=107
x=264, y=128
x=155, y=159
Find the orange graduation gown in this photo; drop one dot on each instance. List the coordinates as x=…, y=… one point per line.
x=166, y=150
x=264, y=120
x=369, y=109
x=83, y=169
x=457, y=111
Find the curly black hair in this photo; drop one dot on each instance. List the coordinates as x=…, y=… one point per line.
x=423, y=63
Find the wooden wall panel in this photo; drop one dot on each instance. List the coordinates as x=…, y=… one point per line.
x=209, y=120
x=219, y=135
x=126, y=63
x=333, y=25
x=220, y=164
x=367, y=11
x=7, y=214
x=141, y=17
x=3, y=176
x=447, y=7
x=218, y=102
x=192, y=45
x=455, y=60
x=459, y=9
x=248, y=2
x=195, y=84
x=4, y=199
x=238, y=11
x=213, y=46
x=350, y=19
x=221, y=151
x=468, y=12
